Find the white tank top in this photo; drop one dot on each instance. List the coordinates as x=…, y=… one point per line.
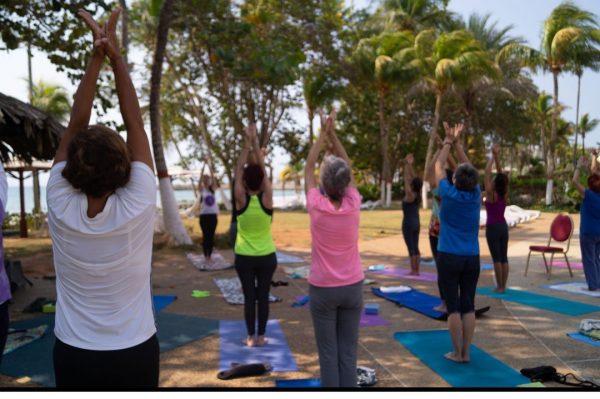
x=209, y=203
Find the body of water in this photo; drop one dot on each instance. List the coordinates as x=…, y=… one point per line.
x=281, y=198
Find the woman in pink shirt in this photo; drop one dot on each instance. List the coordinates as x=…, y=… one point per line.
x=336, y=276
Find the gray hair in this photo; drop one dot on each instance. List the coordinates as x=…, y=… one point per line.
x=466, y=177
x=335, y=177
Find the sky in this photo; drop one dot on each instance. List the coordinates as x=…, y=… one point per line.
x=525, y=15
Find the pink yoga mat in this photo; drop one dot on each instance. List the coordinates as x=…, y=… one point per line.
x=561, y=264
x=403, y=273
x=372, y=320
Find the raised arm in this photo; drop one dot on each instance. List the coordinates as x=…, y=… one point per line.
x=238, y=187
x=335, y=145
x=460, y=152
x=409, y=175
x=594, y=165
x=259, y=157
x=311, y=160
x=496, y=156
x=576, y=181
x=440, y=162
x=137, y=140
x=487, y=181
x=84, y=96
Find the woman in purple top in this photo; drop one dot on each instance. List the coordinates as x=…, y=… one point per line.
x=496, y=229
x=4, y=283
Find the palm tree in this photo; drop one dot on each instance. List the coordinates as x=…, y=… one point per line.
x=52, y=99
x=446, y=60
x=411, y=15
x=584, y=54
x=563, y=29
x=319, y=90
x=586, y=125
x=386, y=60
x=542, y=111
x=173, y=224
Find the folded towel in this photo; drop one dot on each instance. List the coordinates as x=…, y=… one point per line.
x=395, y=289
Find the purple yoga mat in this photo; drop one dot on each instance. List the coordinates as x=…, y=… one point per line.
x=563, y=265
x=372, y=320
x=403, y=273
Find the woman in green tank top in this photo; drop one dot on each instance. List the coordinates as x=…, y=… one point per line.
x=255, y=259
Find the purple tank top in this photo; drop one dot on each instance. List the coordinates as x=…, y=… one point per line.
x=4, y=283
x=495, y=211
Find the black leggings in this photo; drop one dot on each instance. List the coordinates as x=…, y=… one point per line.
x=459, y=275
x=3, y=327
x=433, y=243
x=256, y=273
x=208, y=224
x=497, y=239
x=411, y=238
x=135, y=367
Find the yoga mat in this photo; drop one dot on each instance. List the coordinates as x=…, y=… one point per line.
x=487, y=266
x=35, y=359
x=420, y=302
x=539, y=301
x=536, y=384
x=303, y=383
x=584, y=338
x=231, y=288
x=217, y=262
x=403, y=273
x=373, y=320
x=287, y=258
x=574, y=288
x=19, y=338
x=561, y=264
x=276, y=351
x=484, y=371
x=175, y=330
x=162, y=301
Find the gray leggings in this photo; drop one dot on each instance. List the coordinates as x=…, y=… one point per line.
x=336, y=315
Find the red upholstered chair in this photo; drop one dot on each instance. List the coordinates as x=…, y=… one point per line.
x=561, y=231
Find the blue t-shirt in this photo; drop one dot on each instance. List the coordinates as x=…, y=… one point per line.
x=590, y=214
x=459, y=220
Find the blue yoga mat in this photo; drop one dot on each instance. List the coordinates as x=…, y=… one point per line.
x=584, y=338
x=484, y=266
x=484, y=371
x=276, y=351
x=303, y=383
x=162, y=301
x=35, y=359
x=416, y=300
x=539, y=301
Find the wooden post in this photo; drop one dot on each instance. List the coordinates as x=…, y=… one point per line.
x=23, y=223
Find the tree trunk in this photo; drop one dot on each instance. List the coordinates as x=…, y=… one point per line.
x=385, y=169
x=172, y=221
x=311, y=134
x=431, y=144
x=124, y=30
x=551, y=163
x=577, y=121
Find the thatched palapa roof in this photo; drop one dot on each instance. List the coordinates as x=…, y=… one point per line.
x=27, y=133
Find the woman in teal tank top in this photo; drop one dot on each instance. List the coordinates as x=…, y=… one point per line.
x=255, y=259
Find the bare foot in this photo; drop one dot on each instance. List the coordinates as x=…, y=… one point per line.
x=454, y=357
x=413, y=273
x=499, y=290
x=249, y=341
x=261, y=340
x=441, y=308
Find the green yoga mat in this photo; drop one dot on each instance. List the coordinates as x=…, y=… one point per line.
x=484, y=371
x=35, y=359
x=540, y=301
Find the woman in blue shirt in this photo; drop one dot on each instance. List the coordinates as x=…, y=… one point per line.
x=589, y=230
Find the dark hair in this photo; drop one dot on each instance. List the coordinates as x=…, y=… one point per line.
x=466, y=177
x=253, y=176
x=416, y=185
x=449, y=175
x=98, y=161
x=594, y=183
x=501, y=184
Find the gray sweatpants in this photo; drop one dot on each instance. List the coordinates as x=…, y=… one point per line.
x=336, y=317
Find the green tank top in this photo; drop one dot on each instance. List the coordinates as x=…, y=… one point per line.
x=254, y=230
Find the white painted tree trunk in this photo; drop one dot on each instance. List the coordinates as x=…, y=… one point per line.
x=388, y=195
x=424, y=191
x=549, y=190
x=382, y=196
x=172, y=221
